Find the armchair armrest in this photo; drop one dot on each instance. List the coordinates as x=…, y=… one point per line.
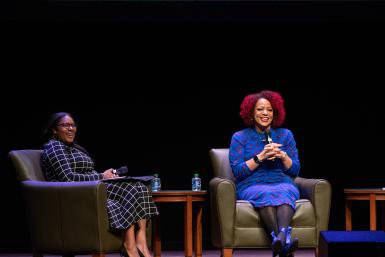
x=223, y=204
x=63, y=214
x=318, y=192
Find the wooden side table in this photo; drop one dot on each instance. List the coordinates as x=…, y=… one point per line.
x=187, y=197
x=368, y=194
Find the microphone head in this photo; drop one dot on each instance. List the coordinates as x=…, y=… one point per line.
x=268, y=139
x=122, y=170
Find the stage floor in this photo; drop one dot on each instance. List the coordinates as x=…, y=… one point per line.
x=207, y=253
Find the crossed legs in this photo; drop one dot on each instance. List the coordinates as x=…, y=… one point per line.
x=276, y=219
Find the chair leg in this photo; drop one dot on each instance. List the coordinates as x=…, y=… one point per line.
x=316, y=252
x=227, y=252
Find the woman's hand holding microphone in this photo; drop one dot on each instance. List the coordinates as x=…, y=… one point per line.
x=272, y=151
x=110, y=173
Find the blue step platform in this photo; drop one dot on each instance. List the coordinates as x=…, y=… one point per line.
x=351, y=244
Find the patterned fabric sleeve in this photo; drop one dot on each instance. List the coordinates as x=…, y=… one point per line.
x=236, y=156
x=292, y=151
x=58, y=159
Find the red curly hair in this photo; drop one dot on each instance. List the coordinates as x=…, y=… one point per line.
x=276, y=101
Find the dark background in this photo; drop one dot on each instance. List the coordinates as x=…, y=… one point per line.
x=155, y=85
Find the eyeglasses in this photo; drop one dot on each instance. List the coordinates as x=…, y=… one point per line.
x=67, y=125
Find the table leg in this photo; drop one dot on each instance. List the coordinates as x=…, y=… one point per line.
x=198, y=231
x=157, y=242
x=348, y=215
x=383, y=214
x=373, y=218
x=188, y=227
x=227, y=252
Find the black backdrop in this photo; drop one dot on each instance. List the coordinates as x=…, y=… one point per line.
x=156, y=92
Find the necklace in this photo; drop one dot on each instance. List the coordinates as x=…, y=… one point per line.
x=260, y=136
x=266, y=135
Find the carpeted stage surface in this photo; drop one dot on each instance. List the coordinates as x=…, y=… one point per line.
x=208, y=253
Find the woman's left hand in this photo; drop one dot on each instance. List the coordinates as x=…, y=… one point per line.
x=280, y=154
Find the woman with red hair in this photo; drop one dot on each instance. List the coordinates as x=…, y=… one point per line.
x=264, y=159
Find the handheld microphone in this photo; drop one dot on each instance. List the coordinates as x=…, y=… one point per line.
x=122, y=171
x=268, y=139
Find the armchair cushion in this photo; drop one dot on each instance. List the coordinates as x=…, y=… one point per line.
x=248, y=217
x=27, y=164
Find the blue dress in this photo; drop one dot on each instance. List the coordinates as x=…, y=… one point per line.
x=269, y=184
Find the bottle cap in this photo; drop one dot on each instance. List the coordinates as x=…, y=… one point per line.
x=196, y=175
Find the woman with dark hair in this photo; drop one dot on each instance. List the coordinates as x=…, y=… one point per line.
x=128, y=203
x=264, y=159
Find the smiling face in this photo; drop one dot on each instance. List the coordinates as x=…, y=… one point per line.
x=263, y=114
x=65, y=130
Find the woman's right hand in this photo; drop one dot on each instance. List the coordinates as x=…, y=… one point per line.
x=110, y=173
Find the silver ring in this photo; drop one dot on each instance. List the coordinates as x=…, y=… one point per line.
x=113, y=171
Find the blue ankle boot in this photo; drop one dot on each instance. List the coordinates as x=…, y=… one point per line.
x=291, y=244
x=277, y=245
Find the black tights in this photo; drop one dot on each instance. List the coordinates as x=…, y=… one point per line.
x=274, y=218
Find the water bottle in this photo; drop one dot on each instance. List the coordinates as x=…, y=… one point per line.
x=196, y=183
x=155, y=183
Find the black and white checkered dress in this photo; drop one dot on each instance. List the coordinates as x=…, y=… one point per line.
x=127, y=202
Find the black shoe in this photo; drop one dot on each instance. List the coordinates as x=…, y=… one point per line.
x=123, y=251
x=140, y=252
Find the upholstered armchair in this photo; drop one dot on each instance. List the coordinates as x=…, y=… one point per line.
x=236, y=224
x=65, y=218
